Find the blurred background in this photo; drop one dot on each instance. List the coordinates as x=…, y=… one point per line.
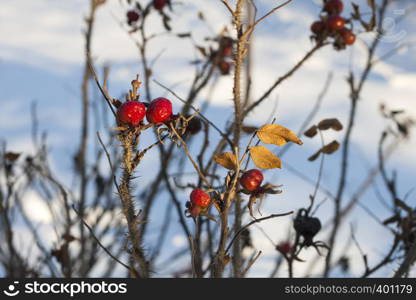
x=42, y=61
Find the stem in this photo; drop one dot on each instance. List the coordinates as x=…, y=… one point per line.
x=81, y=156
x=128, y=206
x=239, y=57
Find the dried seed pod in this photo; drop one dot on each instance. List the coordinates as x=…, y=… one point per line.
x=307, y=227
x=194, y=126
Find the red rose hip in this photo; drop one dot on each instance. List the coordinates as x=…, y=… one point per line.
x=318, y=27
x=251, y=180
x=284, y=247
x=132, y=17
x=159, y=110
x=335, y=23
x=224, y=67
x=334, y=6
x=347, y=36
x=226, y=42
x=227, y=51
x=199, y=199
x=159, y=4
x=131, y=113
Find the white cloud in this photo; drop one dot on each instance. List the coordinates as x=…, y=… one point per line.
x=36, y=208
x=179, y=241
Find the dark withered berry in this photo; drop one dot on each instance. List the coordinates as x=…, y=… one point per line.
x=307, y=227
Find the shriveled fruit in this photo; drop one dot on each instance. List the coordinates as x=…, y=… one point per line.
x=194, y=126
x=132, y=17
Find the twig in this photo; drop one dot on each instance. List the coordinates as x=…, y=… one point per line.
x=356, y=89
x=196, y=110
x=227, y=5
x=102, y=246
x=311, y=114
x=271, y=12
x=321, y=169
x=252, y=262
x=254, y=222
x=185, y=147
x=283, y=78
x=407, y=262
x=107, y=98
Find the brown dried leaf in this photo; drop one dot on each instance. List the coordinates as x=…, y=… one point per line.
x=117, y=103
x=330, y=123
x=250, y=204
x=269, y=188
x=248, y=129
x=311, y=132
x=277, y=135
x=202, y=50
x=149, y=72
x=68, y=237
x=263, y=158
x=330, y=148
x=218, y=201
x=11, y=156
x=227, y=160
x=227, y=259
x=201, y=16
x=315, y=156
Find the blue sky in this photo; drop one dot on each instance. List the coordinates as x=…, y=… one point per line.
x=41, y=59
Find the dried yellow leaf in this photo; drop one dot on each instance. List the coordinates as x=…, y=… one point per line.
x=263, y=158
x=227, y=160
x=277, y=135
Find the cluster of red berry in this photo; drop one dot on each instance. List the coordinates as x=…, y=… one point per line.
x=132, y=113
x=331, y=24
x=133, y=15
x=224, y=54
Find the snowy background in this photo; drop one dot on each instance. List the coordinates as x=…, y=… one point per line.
x=42, y=59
